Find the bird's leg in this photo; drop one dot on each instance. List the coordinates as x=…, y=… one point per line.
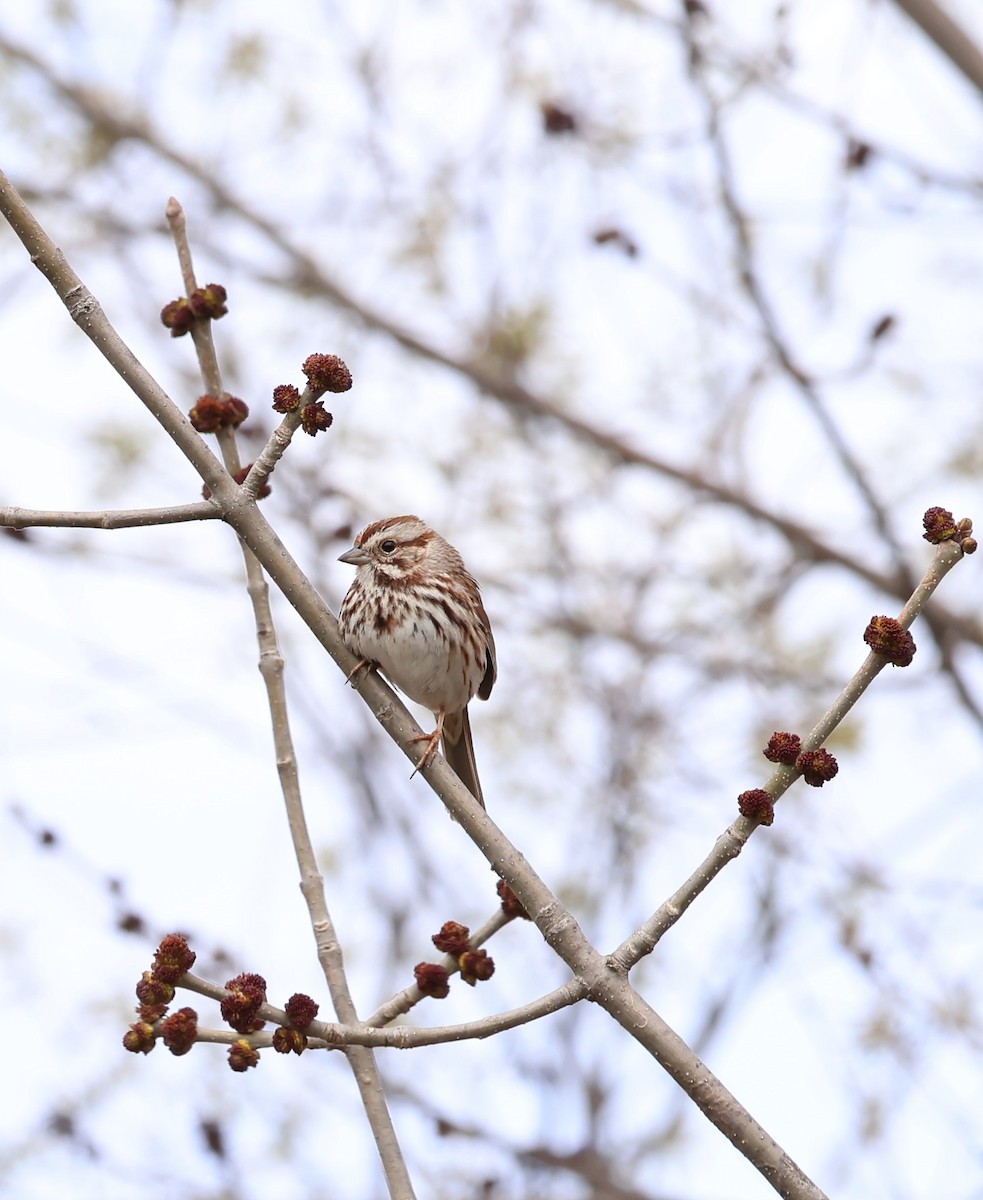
x=363, y=664
x=432, y=740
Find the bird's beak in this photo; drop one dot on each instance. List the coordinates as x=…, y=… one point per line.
x=356, y=557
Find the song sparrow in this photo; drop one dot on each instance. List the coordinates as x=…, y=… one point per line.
x=415, y=611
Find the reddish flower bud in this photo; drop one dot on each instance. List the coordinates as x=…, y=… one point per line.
x=452, y=938
x=180, y=1031
x=139, y=1038
x=151, y=1012
x=236, y=411
x=313, y=418
x=817, y=767
x=151, y=990
x=475, y=965
x=208, y=414
x=287, y=1040
x=887, y=636
x=209, y=301
x=177, y=317
x=940, y=525
x=301, y=1010
x=242, y=1056
x=432, y=979
x=286, y=398
x=326, y=373
x=241, y=1005
x=783, y=748
x=757, y=805
x=969, y=545
x=510, y=901
x=172, y=958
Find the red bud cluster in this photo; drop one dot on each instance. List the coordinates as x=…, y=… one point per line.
x=757, y=805
x=941, y=526
x=287, y=1041
x=180, y=1030
x=313, y=418
x=155, y=990
x=172, y=958
x=244, y=997
x=452, y=938
x=475, y=965
x=887, y=636
x=817, y=767
x=432, y=980
x=212, y=413
x=326, y=373
x=286, y=398
x=242, y=1056
x=783, y=748
x=207, y=303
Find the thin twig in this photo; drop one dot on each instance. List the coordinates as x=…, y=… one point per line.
x=361, y=1059
x=733, y=840
x=26, y=518
x=334, y=1035
x=400, y=1004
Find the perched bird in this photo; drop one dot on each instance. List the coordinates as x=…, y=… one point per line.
x=415, y=611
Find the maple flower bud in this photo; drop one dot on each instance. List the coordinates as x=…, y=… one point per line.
x=139, y=1038
x=783, y=748
x=208, y=414
x=475, y=965
x=452, y=938
x=940, y=525
x=180, y=1030
x=817, y=767
x=326, y=373
x=151, y=990
x=757, y=805
x=177, y=316
x=209, y=301
x=172, y=958
x=887, y=636
x=287, y=1040
x=242, y=1056
x=301, y=1010
x=313, y=418
x=240, y=1006
x=286, y=398
x=432, y=979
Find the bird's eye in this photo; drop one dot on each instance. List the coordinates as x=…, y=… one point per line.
x=388, y=546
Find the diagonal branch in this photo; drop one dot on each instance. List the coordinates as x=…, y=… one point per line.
x=733, y=840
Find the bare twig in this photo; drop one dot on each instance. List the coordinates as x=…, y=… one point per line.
x=327, y=1035
x=361, y=1059
x=25, y=518
x=733, y=840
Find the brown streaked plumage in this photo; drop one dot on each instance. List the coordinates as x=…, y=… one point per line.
x=415, y=611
